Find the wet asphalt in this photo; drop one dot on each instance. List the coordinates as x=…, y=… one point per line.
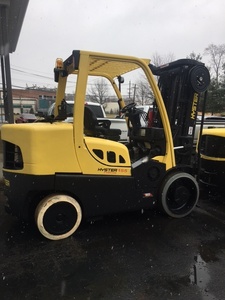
x=141, y=255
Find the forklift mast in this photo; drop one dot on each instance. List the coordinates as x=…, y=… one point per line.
x=182, y=83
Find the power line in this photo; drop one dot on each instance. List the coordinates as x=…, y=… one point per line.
x=33, y=74
x=33, y=81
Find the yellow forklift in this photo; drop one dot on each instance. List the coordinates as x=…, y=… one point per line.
x=60, y=172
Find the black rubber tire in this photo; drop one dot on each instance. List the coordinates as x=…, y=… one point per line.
x=58, y=216
x=179, y=194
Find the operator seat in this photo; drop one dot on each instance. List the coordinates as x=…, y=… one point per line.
x=99, y=127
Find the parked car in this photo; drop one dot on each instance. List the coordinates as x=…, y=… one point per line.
x=26, y=118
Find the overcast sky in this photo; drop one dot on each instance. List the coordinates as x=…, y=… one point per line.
x=53, y=28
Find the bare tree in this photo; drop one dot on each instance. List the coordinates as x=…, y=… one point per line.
x=223, y=76
x=217, y=59
x=144, y=94
x=159, y=60
x=98, y=92
x=169, y=57
x=195, y=56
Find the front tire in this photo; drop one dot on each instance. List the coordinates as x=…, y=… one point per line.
x=179, y=194
x=58, y=216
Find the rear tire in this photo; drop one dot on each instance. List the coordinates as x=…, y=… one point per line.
x=179, y=194
x=58, y=216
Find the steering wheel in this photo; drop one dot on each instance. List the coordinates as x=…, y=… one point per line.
x=128, y=107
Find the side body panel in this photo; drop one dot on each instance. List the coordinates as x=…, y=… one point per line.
x=97, y=195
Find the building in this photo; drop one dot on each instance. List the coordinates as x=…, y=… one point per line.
x=29, y=100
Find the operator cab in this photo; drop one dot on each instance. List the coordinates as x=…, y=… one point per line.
x=146, y=139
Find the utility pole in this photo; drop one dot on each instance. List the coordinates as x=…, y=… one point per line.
x=135, y=87
x=7, y=88
x=5, y=64
x=129, y=90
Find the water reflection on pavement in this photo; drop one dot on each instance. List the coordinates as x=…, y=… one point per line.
x=142, y=255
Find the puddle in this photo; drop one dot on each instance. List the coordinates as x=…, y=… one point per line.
x=199, y=273
x=200, y=276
